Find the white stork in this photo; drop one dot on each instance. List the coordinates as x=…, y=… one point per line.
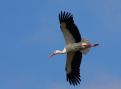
x=75, y=47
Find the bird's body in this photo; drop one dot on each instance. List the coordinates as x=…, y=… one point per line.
x=78, y=47
x=75, y=47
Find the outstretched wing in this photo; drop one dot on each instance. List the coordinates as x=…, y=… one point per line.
x=69, y=29
x=73, y=67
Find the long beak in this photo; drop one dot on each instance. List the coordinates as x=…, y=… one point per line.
x=52, y=55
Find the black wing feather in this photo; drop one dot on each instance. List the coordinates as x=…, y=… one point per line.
x=67, y=18
x=74, y=76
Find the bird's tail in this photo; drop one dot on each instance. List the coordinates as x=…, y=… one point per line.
x=85, y=51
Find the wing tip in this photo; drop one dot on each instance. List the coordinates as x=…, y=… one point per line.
x=65, y=16
x=73, y=80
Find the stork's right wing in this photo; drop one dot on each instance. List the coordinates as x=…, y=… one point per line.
x=69, y=29
x=73, y=67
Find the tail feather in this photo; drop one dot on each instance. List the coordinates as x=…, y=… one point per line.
x=85, y=51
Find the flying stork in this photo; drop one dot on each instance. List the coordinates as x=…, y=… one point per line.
x=75, y=47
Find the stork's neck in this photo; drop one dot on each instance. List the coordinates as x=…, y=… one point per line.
x=58, y=52
x=61, y=51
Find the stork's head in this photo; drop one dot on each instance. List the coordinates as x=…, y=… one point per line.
x=54, y=53
x=58, y=52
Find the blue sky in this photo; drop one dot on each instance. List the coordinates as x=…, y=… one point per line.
x=29, y=32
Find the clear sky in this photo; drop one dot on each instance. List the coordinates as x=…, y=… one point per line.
x=29, y=32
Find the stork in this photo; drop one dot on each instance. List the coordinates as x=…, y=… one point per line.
x=75, y=47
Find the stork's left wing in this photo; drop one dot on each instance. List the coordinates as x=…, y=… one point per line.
x=73, y=67
x=69, y=29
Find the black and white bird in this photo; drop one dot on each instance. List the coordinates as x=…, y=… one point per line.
x=75, y=47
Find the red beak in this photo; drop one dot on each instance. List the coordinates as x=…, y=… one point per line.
x=52, y=55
